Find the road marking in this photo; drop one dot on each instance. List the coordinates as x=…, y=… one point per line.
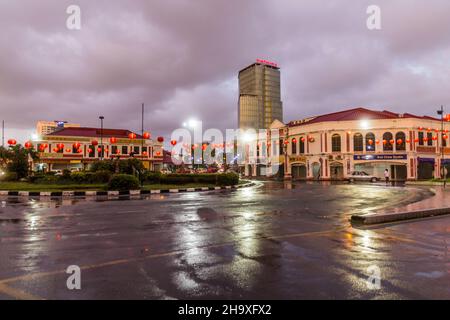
x=18, y=294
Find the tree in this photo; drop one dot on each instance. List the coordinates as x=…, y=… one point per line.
x=17, y=160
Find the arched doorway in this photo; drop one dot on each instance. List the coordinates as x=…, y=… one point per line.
x=298, y=171
x=316, y=170
x=336, y=171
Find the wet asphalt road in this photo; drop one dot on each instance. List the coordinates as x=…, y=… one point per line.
x=273, y=241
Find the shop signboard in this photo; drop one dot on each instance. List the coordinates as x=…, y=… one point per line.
x=379, y=157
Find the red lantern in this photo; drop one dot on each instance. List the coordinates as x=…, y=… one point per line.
x=28, y=145
x=370, y=142
x=173, y=142
x=420, y=128
x=146, y=135
x=416, y=140
x=384, y=141
x=160, y=139
x=429, y=129
x=94, y=142
x=294, y=140
x=392, y=141
x=425, y=139
x=408, y=140
x=399, y=141
x=204, y=146
x=158, y=153
x=90, y=150
x=99, y=149
x=12, y=142
x=194, y=146
x=76, y=145
x=60, y=146
x=377, y=141
x=445, y=137
x=435, y=138
x=145, y=153
x=303, y=139
x=286, y=142
x=56, y=149
x=80, y=151
x=68, y=150
x=113, y=140
x=132, y=136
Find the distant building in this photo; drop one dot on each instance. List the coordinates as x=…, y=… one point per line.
x=259, y=95
x=47, y=127
x=332, y=146
x=77, y=148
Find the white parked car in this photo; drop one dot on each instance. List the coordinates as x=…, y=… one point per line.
x=361, y=176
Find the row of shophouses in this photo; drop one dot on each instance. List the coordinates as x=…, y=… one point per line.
x=332, y=146
x=76, y=148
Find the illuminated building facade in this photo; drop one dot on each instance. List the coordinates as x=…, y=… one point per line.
x=332, y=146
x=77, y=148
x=259, y=95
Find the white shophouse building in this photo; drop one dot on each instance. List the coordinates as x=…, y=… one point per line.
x=332, y=146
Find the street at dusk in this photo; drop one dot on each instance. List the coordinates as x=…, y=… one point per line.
x=224, y=159
x=271, y=241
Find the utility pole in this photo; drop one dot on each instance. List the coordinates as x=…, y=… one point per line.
x=101, y=136
x=442, y=166
x=3, y=133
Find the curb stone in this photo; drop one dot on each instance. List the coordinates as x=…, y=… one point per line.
x=73, y=194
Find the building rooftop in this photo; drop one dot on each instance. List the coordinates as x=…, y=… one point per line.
x=359, y=113
x=93, y=132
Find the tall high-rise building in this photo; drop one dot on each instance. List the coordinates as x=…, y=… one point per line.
x=259, y=95
x=46, y=127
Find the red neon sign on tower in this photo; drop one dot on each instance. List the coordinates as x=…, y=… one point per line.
x=269, y=63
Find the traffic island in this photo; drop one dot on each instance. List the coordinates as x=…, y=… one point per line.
x=371, y=219
x=434, y=206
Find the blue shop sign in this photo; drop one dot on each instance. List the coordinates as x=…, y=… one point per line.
x=380, y=157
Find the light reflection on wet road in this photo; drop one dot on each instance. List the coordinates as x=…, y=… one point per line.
x=274, y=241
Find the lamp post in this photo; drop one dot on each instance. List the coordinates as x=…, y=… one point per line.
x=101, y=136
x=443, y=175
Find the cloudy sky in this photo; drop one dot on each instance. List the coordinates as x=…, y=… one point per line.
x=181, y=57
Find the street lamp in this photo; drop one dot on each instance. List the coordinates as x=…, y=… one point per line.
x=443, y=175
x=101, y=136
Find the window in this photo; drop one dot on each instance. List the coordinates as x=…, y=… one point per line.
x=358, y=143
x=420, y=138
x=388, y=143
x=370, y=142
x=136, y=150
x=294, y=146
x=400, y=140
x=430, y=138
x=113, y=149
x=336, y=143
x=302, y=145
x=92, y=151
x=124, y=150
x=144, y=149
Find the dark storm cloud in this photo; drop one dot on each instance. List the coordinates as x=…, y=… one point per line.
x=182, y=57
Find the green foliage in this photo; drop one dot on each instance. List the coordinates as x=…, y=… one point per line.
x=16, y=160
x=206, y=178
x=123, y=182
x=227, y=179
x=130, y=166
x=9, y=176
x=152, y=177
x=102, y=176
x=103, y=165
